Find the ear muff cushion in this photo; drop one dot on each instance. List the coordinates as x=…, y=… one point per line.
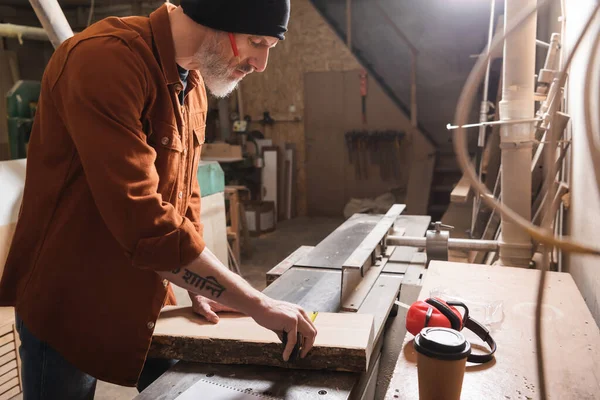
x=449, y=312
x=416, y=315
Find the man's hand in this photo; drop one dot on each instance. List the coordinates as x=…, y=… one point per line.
x=208, y=308
x=281, y=316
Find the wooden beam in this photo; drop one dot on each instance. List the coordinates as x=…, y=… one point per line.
x=344, y=341
x=461, y=191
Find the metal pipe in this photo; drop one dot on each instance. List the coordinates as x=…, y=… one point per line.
x=53, y=20
x=485, y=105
x=21, y=32
x=542, y=44
x=517, y=139
x=489, y=123
x=410, y=241
x=484, y=109
x=473, y=244
x=413, y=89
x=453, y=243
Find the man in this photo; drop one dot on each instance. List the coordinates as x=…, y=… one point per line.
x=111, y=204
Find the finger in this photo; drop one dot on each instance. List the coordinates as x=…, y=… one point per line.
x=221, y=307
x=309, y=332
x=208, y=313
x=304, y=313
x=307, y=318
x=292, y=338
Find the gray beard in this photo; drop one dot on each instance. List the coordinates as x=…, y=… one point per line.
x=215, y=69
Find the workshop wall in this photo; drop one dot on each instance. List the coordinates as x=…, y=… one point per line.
x=310, y=46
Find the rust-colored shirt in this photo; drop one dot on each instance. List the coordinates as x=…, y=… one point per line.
x=111, y=195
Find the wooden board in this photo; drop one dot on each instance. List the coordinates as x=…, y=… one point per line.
x=343, y=343
x=10, y=393
x=571, y=337
x=461, y=191
x=9, y=376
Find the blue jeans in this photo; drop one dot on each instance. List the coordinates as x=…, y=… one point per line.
x=47, y=375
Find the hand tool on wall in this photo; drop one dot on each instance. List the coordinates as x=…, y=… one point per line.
x=363, y=94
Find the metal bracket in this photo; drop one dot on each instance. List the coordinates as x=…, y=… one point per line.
x=368, y=254
x=436, y=244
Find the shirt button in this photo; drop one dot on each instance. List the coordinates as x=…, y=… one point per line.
x=165, y=282
x=183, y=110
x=185, y=151
x=150, y=325
x=165, y=140
x=178, y=87
x=180, y=195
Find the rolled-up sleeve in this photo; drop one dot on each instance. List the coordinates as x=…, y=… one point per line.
x=101, y=95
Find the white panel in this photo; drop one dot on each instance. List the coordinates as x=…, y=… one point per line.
x=266, y=221
x=289, y=157
x=269, y=177
x=213, y=217
x=12, y=181
x=251, y=220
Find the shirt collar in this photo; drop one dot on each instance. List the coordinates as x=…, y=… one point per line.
x=163, y=37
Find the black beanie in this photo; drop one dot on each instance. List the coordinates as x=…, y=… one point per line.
x=253, y=17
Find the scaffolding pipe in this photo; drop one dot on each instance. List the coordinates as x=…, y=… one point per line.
x=21, y=32
x=484, y=110
x=516, y=140
x=453, y=244
x=53, y=20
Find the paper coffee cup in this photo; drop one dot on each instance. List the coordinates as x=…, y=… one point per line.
x=441, y=358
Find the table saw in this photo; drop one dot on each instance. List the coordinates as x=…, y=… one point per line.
x=352, y=270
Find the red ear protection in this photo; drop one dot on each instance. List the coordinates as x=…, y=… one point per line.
x=437, y=312
x=434, y=312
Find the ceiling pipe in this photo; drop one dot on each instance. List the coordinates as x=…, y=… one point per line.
x=53, y=20
x=516, y=140
x=21, y=32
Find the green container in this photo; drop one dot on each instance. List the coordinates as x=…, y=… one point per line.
x=211, y=178
x=21, y=105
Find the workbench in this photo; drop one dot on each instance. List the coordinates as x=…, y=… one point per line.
x=319, y=289
x=572, y=339
x=570, y=336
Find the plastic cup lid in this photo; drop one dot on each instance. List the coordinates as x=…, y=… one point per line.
x=442, y=343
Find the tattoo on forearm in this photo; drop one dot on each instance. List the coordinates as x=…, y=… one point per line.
x=199, y=282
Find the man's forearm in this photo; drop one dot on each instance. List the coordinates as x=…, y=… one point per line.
x=207, y=276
